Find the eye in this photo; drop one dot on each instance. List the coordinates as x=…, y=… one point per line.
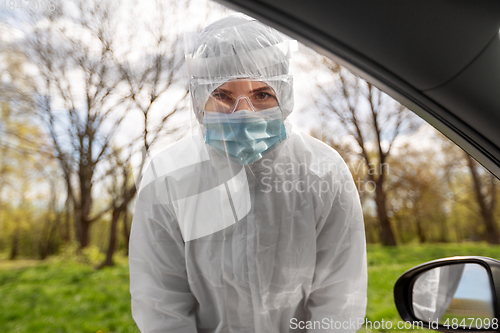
x=220, y=96
x=263, y=95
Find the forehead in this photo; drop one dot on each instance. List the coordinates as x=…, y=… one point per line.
x=243, y=86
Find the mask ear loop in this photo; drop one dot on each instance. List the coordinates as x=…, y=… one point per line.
x=238, y=102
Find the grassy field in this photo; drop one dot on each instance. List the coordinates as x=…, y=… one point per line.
x=67, y=296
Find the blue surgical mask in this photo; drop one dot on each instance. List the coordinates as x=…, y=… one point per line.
x=244, y=136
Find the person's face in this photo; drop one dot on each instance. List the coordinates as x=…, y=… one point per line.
x=241, y=94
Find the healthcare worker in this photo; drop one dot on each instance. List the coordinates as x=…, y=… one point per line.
x=246, y=225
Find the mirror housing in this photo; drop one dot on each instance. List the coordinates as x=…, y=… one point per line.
x=403, y=290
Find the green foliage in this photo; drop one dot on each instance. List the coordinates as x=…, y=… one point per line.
x=91, y=255
x=70, y=251
x=64, y=295
x=415, y=254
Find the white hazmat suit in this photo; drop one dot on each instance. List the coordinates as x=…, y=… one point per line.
x=246, y=225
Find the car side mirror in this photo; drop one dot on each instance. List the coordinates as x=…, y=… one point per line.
x=451, y=294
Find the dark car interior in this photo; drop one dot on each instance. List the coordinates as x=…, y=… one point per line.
x=438, y=58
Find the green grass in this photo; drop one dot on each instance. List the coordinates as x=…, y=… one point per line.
x=67, y=296
x=64, y=296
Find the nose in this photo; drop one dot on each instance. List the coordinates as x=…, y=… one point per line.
x=243, y=104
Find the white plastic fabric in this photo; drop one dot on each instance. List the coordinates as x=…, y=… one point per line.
x=434, y=290
x=270, y=246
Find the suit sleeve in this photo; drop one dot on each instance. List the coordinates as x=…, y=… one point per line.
x=161, y=297
x=338, y=296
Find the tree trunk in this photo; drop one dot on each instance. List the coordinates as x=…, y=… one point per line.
x=84, y=205
x=15, y=245
x=418, y=220
x=82, y=226
x=126, y=231
x=420, y=230
x=78, y=224
x=85, y=234
x=47, y=246
x=112, y=239
x=386, y=235
x=43, y=244
x=66, y=229
x=491, y=231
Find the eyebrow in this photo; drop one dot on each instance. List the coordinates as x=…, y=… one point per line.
x=229, y=92
x=266, y=88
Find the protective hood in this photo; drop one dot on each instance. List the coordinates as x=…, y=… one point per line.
x=239, y=47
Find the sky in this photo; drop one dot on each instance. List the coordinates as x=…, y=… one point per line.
x=475, y=284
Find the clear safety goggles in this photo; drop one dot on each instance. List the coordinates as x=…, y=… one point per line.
x=242, y=94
